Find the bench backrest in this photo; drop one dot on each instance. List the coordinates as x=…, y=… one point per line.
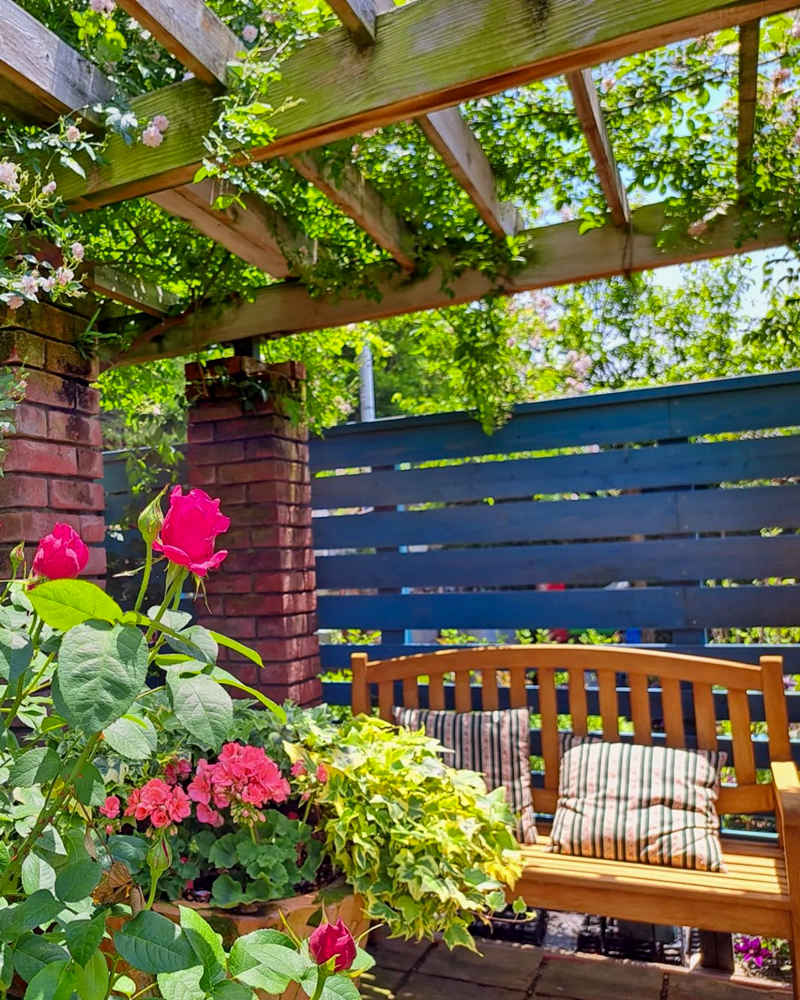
x=645, y=669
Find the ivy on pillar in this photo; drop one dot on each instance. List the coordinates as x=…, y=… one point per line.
x=53, y=463
x=244, y=449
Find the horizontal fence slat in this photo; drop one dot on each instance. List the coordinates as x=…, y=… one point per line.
x=631, y=607
x=668, y=561
x=629, y=468
x=663, y=513
x=337, y=656
x=738, y=404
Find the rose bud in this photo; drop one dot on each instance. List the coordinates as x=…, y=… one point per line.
x=61, y=555
x=159, y=857
x=330, y=940
x=189, y=530
x=151, y=519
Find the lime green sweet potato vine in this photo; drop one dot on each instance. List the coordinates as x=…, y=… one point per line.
x=426, y=846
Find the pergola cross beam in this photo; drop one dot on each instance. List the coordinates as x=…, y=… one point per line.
x=593, y=124
x=749, y=42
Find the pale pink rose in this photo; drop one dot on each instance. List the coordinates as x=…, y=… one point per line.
x=152, y=136
x=15, y=301
x=64, y=276
x=49, y=188
x=73, y=133
x=607, y=84
x=47, y=284
x=161, y=122
x=29, y=284
x=97, y=6
x=8, y=176
x=250, y=33
x=78, y=251
x=697, y=228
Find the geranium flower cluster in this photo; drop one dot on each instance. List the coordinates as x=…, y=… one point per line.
x=243, y=779
x=159, y=802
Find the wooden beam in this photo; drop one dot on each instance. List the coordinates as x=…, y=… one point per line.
x=593, y=123
x=256, y=233
x=192, y=32
x=347, y=187
x=42, y=77
x=749, y=42
x=558, y=255
x=145, y=296
x=427, y=56
x=446, y=130
x=453, y=140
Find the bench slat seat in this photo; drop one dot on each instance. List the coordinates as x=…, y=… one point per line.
x=760, y=891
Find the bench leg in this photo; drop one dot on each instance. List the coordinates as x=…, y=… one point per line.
x=716, y=951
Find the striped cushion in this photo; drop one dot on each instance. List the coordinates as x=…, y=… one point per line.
x=654, y=805
x=496, y=744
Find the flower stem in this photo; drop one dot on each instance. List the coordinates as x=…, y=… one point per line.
x=148, y=566
x=321, y=977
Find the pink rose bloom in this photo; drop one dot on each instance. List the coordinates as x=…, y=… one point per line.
x=322, y=773
x=298, y=769
x=161, y=122
x=15, y=301
x=61, y=555
x=152, y=136
x=73, y=133
x=78, y=250
x=189, y=530
x=49, y=188
x=250, y=33
x=110, y=808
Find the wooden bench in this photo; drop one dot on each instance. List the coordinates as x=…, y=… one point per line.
x=760, y=892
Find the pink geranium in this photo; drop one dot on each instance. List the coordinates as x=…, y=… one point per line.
x=110, y=808
x=176, y=770
x=188, y=534
x=242, y=777
x=159, y=803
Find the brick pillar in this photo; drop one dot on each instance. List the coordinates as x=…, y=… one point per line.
x=53, y=459
x=245, y=451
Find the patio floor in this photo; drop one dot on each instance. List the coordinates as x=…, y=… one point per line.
x=428, y=971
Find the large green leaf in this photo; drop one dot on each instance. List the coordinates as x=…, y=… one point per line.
x=33, y=952
x=133, y=738
x=206, y=944
x=101, y=671
x=128, y=848
x=54, y=982
x=183, y=985
x=202, y=706
x=34, y=767
x=201, y=645
x=84, y=936
x=229, y=990
x=225, y=640
x=41, y=907
x=37, y=874
x=335, y=988
x=267, y=960
x=226, y=892
x=16, y=652
x=89, y=786
x=91, y=978
x=63, y=604
x=6, y=966
x=153, y=944
x=78, y=880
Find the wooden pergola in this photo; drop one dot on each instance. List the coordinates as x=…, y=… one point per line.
x=385, y=64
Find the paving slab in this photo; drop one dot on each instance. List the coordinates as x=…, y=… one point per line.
x=395, y=953
x=512, y=966
x=420, y=987
x=698, y=987
x=380, y=983
x=580, y=979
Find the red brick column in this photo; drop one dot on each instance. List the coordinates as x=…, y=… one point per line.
x=53, y=461
x=243, y=450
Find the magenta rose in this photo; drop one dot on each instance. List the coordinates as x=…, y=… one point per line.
x=61, y=555
x=189, y=530
x=330, y=940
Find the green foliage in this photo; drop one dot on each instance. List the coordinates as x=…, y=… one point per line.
x=425, y=845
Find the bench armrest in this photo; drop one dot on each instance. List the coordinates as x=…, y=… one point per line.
x=786, y=782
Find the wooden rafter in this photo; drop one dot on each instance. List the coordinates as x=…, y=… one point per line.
x=252, y=230
x=593, y=124
x=749, y=42
x=446, y=130
x=145, y=296
x=427, y=56
x=559, y=255
x=205, y=45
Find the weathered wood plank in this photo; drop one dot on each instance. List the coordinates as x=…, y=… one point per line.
x=347, y=187
x=253, y=231
x=630, y=468
x=660, y=513
x=750, y=402
x=44, y=77
x=594, y=563
x=143, y=295
x=358, y=17
x=593, y=123
x=192, y=32
x=454, y=141
x=635, y=607
x=749, y=42
x=427, y=56
x=559, y=256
